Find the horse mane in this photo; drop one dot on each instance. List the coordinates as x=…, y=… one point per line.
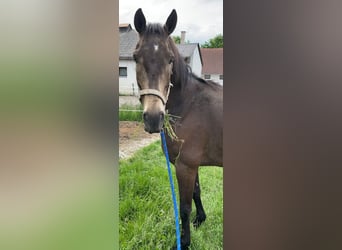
x=181, y=71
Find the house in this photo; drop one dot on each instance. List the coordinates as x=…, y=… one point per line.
x=192, y=55
x=127, y=78
x=129, y=38
x=212, y=64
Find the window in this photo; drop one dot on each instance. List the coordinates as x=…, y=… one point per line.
x=221, y=77
x=123, y=71
x=206, y=76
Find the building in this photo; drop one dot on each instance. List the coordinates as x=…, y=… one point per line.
x=128, y=40
x=212, y=64
x=192, y=55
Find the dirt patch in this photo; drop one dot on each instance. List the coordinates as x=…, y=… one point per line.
x=132, y=137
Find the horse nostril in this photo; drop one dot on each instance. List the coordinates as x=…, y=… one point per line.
x=145, y=116
x=161, y=116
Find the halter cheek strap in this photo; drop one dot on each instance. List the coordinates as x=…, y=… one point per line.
x=156, y=93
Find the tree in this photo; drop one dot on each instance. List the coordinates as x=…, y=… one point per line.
x=176, y=39
x=216, y=42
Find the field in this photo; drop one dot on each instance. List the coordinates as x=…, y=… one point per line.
x=146, y=211
x=129, y=112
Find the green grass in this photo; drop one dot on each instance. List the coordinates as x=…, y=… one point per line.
x=128, y=113
x=146, y=210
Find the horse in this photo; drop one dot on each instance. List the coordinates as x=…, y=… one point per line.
x=168, y=88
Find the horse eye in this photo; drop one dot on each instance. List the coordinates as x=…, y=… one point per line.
x=135, y=57
x=139, y=86
x=171, y=60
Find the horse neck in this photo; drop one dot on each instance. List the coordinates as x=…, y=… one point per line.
x=179, y=93
x=180, y=79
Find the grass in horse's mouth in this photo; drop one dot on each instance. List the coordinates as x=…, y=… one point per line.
x=171, y=133
x=168, y=127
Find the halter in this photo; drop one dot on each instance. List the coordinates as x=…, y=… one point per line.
x=157, y=93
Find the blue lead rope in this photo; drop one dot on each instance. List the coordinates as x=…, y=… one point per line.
x=175, y=208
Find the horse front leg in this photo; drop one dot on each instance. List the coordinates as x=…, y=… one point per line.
x=186, y=177
x=200, y=214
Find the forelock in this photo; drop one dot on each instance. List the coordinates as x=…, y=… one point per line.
x=154, y=29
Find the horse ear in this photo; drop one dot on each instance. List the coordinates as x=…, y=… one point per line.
x=139, y=21
x=171, y=22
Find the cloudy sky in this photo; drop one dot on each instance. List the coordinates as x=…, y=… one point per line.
x=201, y=19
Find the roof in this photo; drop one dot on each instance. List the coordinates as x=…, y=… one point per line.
x=186, y=49
x=124, y=27
x=212, y=60
x=128, y=41
x=130, y=38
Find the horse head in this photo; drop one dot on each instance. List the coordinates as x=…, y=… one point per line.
x=154, y=59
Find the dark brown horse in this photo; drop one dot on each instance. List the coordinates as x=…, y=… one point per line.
x=194, y=105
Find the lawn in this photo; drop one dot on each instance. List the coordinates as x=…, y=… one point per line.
x=146, y=211
x=129, y=112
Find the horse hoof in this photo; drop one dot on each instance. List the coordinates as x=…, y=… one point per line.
x=199, y=220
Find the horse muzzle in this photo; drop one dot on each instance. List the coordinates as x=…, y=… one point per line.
x=153, y=121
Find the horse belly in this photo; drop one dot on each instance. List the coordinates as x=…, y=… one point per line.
x=213, y=154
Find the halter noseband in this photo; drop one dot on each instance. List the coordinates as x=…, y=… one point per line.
x=157, y=93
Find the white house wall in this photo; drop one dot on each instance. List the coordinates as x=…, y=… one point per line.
x=128, y=85
x=215, y=78
x=195, y=63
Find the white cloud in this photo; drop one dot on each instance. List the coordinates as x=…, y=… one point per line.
x=201, y=19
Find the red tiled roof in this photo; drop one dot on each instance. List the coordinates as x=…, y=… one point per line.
x=212, y=60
